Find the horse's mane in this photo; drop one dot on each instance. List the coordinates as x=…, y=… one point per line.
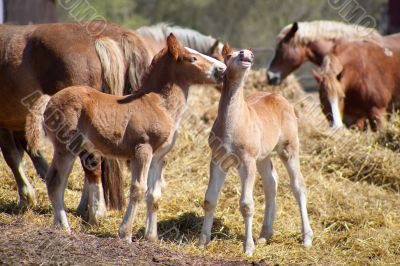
x=330, y=30
x=144, y=90
x=187, y=37
x=330, y=69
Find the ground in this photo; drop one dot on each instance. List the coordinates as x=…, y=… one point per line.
x=353, y=198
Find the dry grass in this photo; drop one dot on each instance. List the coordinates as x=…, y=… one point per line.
x=353, y=191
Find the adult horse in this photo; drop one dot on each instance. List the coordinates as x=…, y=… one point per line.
x=44, y=59
x=360, y=81
x=312, y=41
x=155, y=37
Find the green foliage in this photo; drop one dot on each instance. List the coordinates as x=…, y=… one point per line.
x=250, y=23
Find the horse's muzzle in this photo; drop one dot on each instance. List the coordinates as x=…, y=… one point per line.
x=274, y=78
x=219, y=72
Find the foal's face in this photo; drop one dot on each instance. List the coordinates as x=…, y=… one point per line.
x=239, y=62
x=200, y=68
x=192, y=67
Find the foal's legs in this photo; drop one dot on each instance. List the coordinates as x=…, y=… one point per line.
x=217, y=178
x=13, y=157
x=56, y=181
x=269, y=179
x=299, y=190
x=153, y=195
x=140, y=170
x=247, y=176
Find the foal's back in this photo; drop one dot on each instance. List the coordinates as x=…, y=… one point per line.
x=114, y=124
x=276, y=119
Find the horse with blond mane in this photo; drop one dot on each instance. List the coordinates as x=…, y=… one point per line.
x=312, y=41
x=359, y=82
x=46, y=58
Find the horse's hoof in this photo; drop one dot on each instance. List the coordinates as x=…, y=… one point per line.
x=203, y=241
x=153, y=239
x=249, y=248
x=264, y=238
x=308, y=239
x=27, y=200
x=124, y=236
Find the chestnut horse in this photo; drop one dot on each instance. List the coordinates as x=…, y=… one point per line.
x=249, y=131
x=360, y=81
x=155, y=36
x=312, y=41
x=44, y=59
x=140, y=127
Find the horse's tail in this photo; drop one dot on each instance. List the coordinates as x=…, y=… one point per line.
x=113, y=68
x=112, y=64
x=137, y=56
x=113, y=58
x=34, y=127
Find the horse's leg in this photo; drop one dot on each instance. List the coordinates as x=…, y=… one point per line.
x=299, y=190
x=247, y=176
x=38, y=160
x=93, y=189
x=217, y=178
x=140, y=169
x=376, y=118
x=56, y=182
x=13, y=158
x=82, y=209
x=154, y=183
x=361, y=123
x=270, y=184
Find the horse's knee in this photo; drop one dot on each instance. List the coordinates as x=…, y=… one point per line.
x=52, y=180
x=209, y=205
x=152, y=200
x=138, y=192
x=247, y=208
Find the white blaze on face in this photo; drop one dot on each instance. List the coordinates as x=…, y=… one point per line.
x=337, y=119
x=215, y=62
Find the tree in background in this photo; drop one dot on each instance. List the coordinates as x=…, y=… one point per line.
x=244, y=23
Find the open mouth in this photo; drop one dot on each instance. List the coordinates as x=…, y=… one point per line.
x=245, y=61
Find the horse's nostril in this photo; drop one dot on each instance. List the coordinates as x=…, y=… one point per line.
x=220, y=69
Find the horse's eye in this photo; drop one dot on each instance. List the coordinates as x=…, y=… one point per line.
x=193, y=59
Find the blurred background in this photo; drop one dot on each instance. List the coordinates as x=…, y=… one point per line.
x=248, y=24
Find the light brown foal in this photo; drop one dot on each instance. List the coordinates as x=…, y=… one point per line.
x=244, y=134
x=140, y=127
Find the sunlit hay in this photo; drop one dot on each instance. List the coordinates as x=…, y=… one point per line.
x=352, y=180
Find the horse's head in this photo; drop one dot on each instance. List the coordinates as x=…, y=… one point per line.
x=191, y=66
x=288, y=56
x=238, y=62
x=331, y=92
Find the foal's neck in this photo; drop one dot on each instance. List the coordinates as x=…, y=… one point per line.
x=232, y=97
x=172, y=91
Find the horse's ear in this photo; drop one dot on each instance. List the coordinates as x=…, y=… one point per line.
x=214, y=47
x=317, y=76
x=227, y=50
x=292, y=32
x=174, y=47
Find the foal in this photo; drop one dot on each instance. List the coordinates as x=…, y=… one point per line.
x=140, y=127
x=247, y=132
